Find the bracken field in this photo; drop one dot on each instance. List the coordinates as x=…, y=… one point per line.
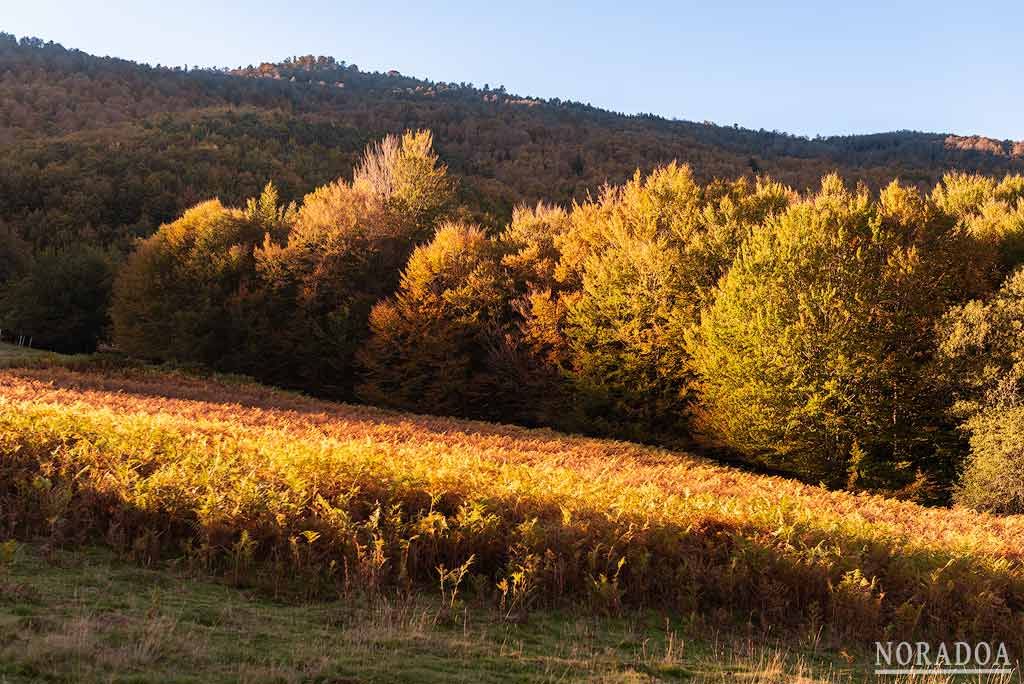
x=300, y=500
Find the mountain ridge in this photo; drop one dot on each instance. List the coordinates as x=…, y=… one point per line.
x=202, y=133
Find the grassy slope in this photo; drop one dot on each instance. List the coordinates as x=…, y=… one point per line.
x=13, y=355
x=84, y=616
x=218, y=457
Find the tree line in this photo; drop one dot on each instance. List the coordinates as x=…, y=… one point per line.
x=865, y=340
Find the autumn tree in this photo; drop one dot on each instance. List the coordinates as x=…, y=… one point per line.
x=407, y=178
x=982, y=348
x=344, y=252
x=431, y=345
x=982, y=358
x=177, y=296
x=645, y=258
x=811, y=356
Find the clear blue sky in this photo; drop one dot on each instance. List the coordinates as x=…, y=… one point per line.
x=807, y=67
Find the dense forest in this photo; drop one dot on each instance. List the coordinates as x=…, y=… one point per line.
x=846, y=310
x=106, y=150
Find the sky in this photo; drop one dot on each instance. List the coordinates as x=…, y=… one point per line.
x=811, y=67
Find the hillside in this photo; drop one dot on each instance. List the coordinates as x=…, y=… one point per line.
x=322, y=374
x=103, y=149
x=304, y=499
x=88, y=616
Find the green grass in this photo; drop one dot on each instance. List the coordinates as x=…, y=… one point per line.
x=85, y=616
x=12, y=354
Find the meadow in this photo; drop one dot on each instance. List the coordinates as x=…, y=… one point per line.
x=86, y=616
x=12, y=355
x=303, y=500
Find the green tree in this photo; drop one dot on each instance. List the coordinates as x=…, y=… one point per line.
x=531, y=245
x=14, y=255
x=981, y=356
x=61, y=299
x=811, y=357
x=981, y=350
x=993, y=476
x=991, y=214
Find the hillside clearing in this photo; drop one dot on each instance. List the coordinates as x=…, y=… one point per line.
x=12, y=355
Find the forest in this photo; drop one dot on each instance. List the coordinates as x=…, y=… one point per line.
x=846, y=311
x=103, y=150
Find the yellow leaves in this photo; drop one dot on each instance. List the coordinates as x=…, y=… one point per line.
x=432, y=524
x=566, y=516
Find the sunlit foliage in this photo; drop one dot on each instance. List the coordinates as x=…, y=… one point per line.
x=176, y=298
x=343, y=253
x=646, y=257
x=796, y=332
x=302, y=497
x=812, y=355
x=432, y=345
x=982, y=352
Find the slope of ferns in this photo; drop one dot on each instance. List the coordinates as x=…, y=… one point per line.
x=304, y=497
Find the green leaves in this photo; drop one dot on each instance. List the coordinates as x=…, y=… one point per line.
x=813, y=348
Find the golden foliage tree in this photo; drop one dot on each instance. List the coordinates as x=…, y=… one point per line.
x=644, y=259
x=344, y=252
x=431, y=345
x=176, y=296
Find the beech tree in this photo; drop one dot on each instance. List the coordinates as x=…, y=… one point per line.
x=811, y=357
x=176, y=298
x=646, y=258
x=344, y=252
x=982, y=358
x=431, y=344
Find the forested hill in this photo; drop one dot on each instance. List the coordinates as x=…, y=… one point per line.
x=104, y=149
